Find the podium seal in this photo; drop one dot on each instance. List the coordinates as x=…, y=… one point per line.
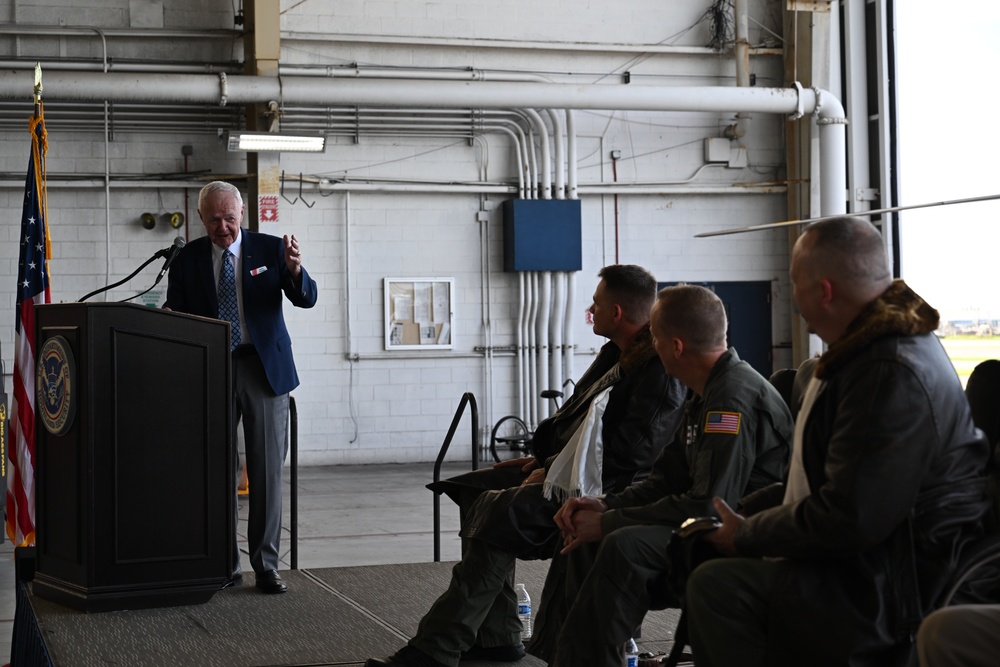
x=55, y=383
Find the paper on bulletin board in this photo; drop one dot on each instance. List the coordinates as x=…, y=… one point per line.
x=418, y=313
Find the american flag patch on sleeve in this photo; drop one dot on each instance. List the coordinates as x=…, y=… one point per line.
x=722, y=422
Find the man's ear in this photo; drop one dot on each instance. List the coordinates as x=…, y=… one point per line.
x=619, y=313
x=678, y=346
x=826, y=292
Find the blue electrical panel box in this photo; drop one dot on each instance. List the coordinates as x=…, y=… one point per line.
x=542, y=235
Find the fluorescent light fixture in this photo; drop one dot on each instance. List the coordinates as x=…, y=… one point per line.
x=273, y=141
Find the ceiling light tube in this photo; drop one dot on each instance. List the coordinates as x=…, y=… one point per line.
x=273, y=141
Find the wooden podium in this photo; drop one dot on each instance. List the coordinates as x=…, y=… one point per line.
x=134, y=461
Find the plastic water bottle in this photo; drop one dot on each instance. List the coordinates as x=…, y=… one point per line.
x=523, y=610
x=631, y=653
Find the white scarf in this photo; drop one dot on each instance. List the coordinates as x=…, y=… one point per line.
x=798, y=483
x=578, y=468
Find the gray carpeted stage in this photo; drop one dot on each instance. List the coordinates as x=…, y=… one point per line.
x=330, y=616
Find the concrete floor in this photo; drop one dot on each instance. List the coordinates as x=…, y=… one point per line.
x=347, y=515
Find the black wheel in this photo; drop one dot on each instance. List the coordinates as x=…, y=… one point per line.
x=510, y=439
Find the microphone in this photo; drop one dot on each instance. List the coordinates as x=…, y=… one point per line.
x=170, y=253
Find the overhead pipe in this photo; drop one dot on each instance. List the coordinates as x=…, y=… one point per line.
x=208, y=89
x=250, y=89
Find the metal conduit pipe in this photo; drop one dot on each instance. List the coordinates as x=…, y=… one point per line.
x=485, y=288
x=571, y=173
x=558, y=166
x=521, y=45
x=568, y=350
x=389, y=187
x=522, y=312
x=553, y=357
x=378, y=72
x=544, y=171
x=556, y=314
x=517, y=153
x=570, y=306
x=23, y=29
x=542, y=336
x=119, y=66
x=532, y=368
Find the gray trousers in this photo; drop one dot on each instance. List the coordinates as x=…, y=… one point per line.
x=596, y=597
x=478, y=609
x=265, y=429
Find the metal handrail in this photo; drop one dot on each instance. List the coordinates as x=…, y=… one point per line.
x=467, y=399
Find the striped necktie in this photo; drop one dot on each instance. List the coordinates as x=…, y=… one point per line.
x=228, y=309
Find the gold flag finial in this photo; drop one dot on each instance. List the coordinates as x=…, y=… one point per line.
x=38, y=82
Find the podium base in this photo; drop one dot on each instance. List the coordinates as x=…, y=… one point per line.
x=120, y=598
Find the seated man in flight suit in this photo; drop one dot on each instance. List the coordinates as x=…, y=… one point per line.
x=634, y=407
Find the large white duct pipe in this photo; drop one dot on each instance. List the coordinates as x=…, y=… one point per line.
x=247, y=89
x=222, y=89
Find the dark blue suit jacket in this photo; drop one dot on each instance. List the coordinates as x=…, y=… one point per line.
x=191, y=288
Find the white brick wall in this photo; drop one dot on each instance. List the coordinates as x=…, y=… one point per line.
x=389, y=406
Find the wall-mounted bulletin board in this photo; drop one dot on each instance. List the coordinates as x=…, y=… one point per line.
x=419, y=313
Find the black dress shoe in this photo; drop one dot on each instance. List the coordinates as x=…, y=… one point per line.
x=385, y=662
x=269, y=581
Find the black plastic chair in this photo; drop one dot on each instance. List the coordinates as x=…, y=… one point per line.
x=974, y=583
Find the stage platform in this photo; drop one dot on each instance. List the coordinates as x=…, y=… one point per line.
x=330, y=616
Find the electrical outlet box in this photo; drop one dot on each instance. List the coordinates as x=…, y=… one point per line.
x=716, y=149
x=542, y=235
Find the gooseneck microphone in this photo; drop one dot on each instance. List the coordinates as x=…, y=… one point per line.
x=169, y=253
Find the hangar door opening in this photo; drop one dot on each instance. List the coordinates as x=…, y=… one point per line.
x=748, y=307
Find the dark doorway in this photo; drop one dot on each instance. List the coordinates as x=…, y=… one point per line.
x=748, y=307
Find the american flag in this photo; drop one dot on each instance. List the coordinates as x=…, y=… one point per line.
x=32, y=288
x=722, y=422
